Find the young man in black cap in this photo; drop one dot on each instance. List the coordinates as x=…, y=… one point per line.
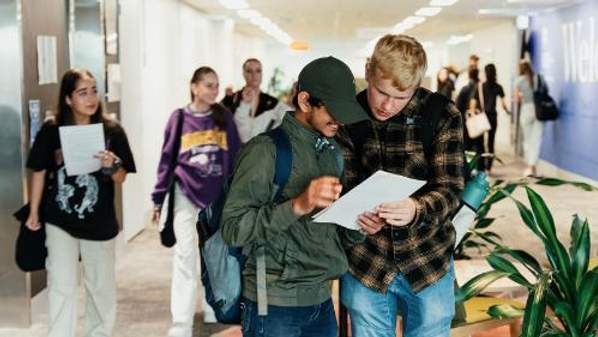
x=301, y=256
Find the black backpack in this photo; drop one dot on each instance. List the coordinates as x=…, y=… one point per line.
x=546, y=107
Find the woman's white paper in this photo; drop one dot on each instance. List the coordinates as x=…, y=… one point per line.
x=80, y=143
x=380, y=187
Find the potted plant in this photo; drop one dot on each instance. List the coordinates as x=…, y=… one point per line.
x=566, y=286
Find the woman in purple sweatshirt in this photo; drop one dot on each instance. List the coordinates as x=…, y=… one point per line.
x=208, y=144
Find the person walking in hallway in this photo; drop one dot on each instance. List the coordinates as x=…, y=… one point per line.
x=207, y=145
x=492, y=90
x=531, y=127
x=254, y=110
x=468, y=102
x=413, y=132
x=444, y=83
x=79, y=214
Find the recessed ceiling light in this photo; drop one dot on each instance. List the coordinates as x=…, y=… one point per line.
x=428, y=11
x=434, y=3
x=234, y=4
x=248, y=13
x=416, y=20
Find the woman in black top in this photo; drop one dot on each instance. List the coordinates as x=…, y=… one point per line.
x=78, y=210
x=492, y=90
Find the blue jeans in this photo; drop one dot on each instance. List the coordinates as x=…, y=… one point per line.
x=427, y=313
x=309, y=321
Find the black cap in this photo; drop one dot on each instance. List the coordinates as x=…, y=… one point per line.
x=331, y=80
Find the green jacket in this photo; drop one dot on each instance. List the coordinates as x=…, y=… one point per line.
x=301, y=256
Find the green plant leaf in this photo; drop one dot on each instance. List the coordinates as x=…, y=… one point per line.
x=535, y=308
x=524, y=258
x=483, y=223
x=501, y=193
x=551, y=182
x=477, y=284
x=559, y=182
x=541, y=213
x=501, y=264
x=555, y=250
x=565, y=313
x=584, y=186
x=574, y=233
x=528, y=218
x=588, y=291
x=504, y=311
x=488, y=237
x=581, y=254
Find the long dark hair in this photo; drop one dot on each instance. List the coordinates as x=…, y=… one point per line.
x=490, y=71
x=68, y=84
x=525, y=69
x=218, y=110
x=473, y=74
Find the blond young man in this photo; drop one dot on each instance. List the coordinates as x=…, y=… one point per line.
x=407, y=266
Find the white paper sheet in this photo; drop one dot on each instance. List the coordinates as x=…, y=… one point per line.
x=79, y=146
x=380, y=187
x=47, y=67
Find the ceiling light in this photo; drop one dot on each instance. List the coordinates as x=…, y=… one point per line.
x=457, y=39
x=402, y=27
x=234, y=4
x=415, y=20
x=435, y=3
x=299, y=45
x=428, y=11
x=248, y=13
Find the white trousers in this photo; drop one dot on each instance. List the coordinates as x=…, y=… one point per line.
x=62, y=264
x=532, y=130
x=185, y=264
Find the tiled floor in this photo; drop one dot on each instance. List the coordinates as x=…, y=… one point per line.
x=144, y=266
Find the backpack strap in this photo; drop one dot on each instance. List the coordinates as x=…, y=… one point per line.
x=432, y=111
x=282, y=172
x=284, y=160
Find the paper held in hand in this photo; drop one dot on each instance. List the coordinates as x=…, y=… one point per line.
x=80, y=143
x=380, y=187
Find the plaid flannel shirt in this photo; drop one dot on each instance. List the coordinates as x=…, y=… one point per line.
x=420, y=251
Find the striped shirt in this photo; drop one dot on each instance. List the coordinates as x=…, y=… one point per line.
x=420, y=251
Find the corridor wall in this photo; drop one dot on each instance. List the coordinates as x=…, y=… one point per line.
x=162, y=43
x=564, y=48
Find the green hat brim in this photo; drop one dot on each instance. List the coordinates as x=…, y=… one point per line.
x=346, y=111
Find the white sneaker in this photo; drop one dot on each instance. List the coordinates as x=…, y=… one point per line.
x=177, y=330
x=209, y=316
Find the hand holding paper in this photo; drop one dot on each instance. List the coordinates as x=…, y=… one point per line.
x=80, y=144
x=380, y=188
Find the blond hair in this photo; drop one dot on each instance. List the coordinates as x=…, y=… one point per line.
x=400, y=58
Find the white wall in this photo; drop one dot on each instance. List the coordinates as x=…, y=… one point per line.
x=162, y=43
x=291, y=62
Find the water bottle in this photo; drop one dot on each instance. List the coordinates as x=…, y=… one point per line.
x=474, y=194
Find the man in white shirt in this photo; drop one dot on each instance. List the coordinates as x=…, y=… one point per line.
x=254, y=110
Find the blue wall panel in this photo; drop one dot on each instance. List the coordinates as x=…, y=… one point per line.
x=565, y=50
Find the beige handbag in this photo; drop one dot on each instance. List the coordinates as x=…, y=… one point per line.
x=477, y=123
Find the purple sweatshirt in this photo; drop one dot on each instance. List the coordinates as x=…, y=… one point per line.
x=205, y=158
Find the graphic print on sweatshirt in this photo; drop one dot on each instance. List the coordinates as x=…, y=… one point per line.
x=203, y=149
x=66, y=191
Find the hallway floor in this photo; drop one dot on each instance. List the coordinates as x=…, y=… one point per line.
x=143, y=267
